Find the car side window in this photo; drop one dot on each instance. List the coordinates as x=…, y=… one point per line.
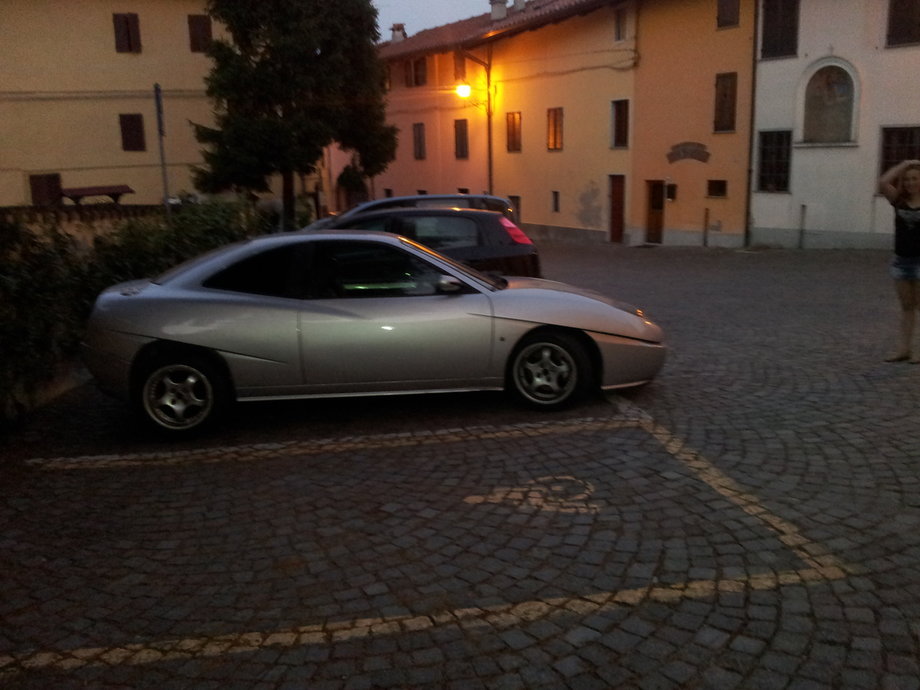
x=369, y=269
x=275, y=272
x=442, y=232
x=371, y=224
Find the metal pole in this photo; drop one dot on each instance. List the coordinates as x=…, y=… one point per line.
x=161, y=134
x=489, y=153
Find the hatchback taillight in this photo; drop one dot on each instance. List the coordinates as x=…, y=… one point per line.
x=515, y=233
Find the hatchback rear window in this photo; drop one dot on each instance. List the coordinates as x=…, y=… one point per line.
x=442, y=232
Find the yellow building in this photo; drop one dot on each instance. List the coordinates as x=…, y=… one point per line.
x=77, y=105
x=588, y=114
x=692, y=133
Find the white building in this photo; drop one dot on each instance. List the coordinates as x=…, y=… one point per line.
x=837, y=101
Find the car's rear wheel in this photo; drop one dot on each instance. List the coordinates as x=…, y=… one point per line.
x=550, y=370
x=181, y=394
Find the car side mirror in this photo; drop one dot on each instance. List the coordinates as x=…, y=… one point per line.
x=449, y=285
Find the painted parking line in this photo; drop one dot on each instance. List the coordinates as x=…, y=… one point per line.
x=556, y=493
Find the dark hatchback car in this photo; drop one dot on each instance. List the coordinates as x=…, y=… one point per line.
x=485, y=240
x=485, y=202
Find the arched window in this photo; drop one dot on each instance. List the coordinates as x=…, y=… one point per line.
x=829, y=106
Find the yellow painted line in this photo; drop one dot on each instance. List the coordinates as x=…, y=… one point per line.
x=822, y=566
x=811, y=553
x=270, y=451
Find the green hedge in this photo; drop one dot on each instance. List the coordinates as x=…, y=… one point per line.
x=48, y=283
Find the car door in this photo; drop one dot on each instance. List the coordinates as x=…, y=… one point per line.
x=375, y=321
x=252, y=319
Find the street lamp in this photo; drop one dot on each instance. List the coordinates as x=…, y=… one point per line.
x=464, y=90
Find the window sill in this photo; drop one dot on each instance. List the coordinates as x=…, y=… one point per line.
x=825, y=145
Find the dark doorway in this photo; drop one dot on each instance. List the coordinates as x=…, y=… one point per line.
x=617, y=207
x=655, y=219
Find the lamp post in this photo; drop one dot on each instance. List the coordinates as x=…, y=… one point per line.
x=464, y=90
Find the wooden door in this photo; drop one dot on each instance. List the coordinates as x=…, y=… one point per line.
x=655, y=218
x=617, y=207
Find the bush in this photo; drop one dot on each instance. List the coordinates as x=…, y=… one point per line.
x=48, y=284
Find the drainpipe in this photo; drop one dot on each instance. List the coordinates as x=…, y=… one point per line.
x=751, y=137
x=803, y=211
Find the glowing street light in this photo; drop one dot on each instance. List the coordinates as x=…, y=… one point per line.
x=463, y=90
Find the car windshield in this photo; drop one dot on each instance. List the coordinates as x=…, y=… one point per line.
x=495, y=282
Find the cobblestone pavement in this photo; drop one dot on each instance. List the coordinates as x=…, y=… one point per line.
x=749, y=520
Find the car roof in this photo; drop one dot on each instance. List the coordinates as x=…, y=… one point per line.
x=419, y=211
x=253, y=245
x=429, y=197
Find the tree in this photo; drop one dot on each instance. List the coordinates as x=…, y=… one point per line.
x=295, y=76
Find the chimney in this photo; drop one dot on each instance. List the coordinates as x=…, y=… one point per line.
x=519, y=5
x=399, y=32
x=499, y=9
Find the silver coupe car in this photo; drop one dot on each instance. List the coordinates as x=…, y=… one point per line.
x=344, y=313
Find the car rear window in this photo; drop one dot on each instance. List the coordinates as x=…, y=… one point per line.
x=441, y=232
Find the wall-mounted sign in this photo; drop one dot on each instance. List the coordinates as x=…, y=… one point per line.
x=689, y=149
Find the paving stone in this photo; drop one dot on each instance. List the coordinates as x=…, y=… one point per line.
x=749, y=519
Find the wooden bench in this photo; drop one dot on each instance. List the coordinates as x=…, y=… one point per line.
x=113, y=191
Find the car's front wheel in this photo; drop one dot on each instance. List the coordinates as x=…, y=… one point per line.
x=181, y=394
x=550, y=370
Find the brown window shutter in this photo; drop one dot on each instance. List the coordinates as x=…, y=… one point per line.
x=726, y=98
x=46, y=189
x=621, y=123
x=199, y=32
x=127, y=33
x=132, y=132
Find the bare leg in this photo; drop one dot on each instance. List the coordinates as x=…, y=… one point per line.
x=915, y=298
x=907, y=297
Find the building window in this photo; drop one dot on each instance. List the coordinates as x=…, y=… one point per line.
x=899, y=144
x=127, y=33
x=717, y=188
x=726, y=98
x=387, y=192
x=903, y=22
x=555, y=202
x=199, y=32
x=775, y=149
x=728, y=13
x=554, y=129
x=461, y=139
x=780, y=28
x=459, y=66
x=132, y=132
x=418, y=141
x=829, y=106
x=619, y=134
x=619, y=24
x=513, y=132
x=417, y=72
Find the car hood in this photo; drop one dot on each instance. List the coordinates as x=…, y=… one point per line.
x=561, y=304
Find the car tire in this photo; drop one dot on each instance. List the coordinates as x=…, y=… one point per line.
x=181, y=394
x=550, y=370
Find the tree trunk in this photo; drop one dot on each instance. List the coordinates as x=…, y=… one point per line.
x=288, y=201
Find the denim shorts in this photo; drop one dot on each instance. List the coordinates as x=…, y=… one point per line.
x=905, y=268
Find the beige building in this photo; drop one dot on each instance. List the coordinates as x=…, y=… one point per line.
x=77, y=105
x=619, y=121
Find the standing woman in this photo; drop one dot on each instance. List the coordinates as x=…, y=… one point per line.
x=901, y=186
